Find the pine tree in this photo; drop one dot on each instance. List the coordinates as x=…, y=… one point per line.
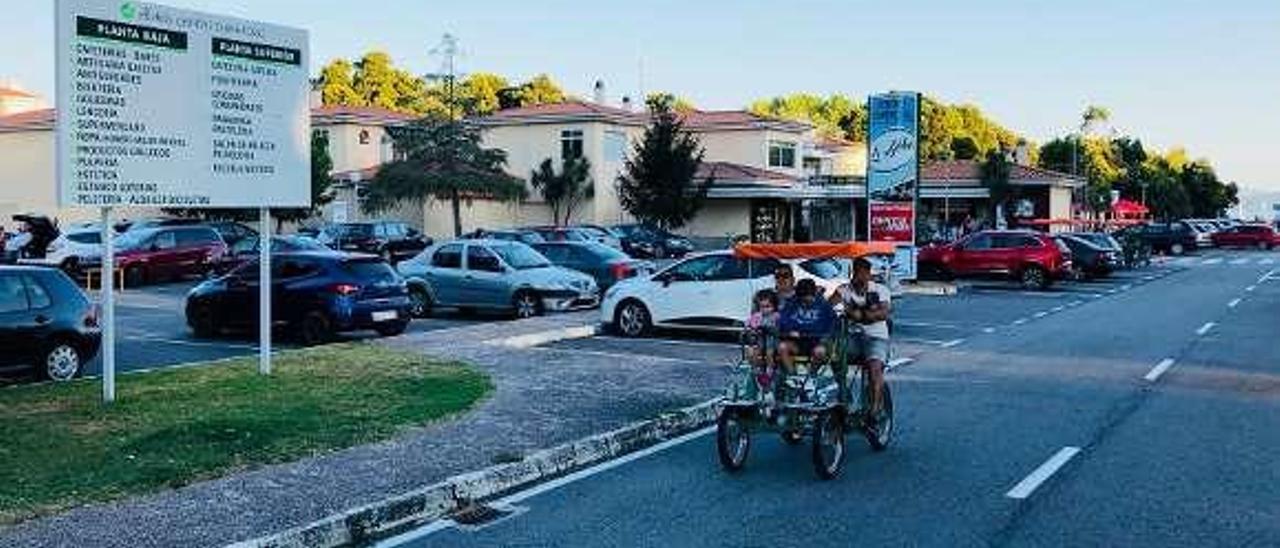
x=659, y=184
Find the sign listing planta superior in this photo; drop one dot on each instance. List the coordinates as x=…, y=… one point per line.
x=163, y=107
x=893, y=173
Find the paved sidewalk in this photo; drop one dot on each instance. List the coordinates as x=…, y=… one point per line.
x=544, y=397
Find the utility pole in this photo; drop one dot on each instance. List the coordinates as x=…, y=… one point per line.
x=448, y=49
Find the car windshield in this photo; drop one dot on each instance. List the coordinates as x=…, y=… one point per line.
x=85, y=237
x=352, y=231
x=520, y=256
x=133, y=239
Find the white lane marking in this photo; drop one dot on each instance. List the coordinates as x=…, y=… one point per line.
x=910, y=323
x=1233, y=302
x=1112, y=290
x=1126, y=287
x=514, y=498
x=988, y=330
x=1214, y=260
x=1096, y=295
x=1266, y=276
x=1250, y=288
x=1040, y=314
x=1159, y=369
x=1075, y=303
x=1058, y=308
x=1205, y=328
x=1038, y=476
x=1019, y=321
x=897, y=362
x=1265, y=261
x=951, y=343
x=1240, y=261
x=1148, y=278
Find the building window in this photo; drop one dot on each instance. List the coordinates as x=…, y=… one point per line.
x=570, y=144
x=364, y=136
x=615, y=146
x=386, y=151
x=782, y=154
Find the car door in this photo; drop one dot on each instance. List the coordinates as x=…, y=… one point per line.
x=706, y=291
x=484, y=282
x=16, y=320
x=444, y=275
x=974, y=255
x=163, y=254
x=239, y=302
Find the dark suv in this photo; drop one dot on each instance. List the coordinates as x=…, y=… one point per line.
x=46, y=322
x=172, y=252
x=1033, y=258
x=652, y=242
x=315, y=293
x=392, y=240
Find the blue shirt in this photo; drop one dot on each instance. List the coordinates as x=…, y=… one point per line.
x=814, y=320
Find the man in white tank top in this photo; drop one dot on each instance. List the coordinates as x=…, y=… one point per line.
x=866, y=305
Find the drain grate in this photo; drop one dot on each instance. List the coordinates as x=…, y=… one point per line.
x=477, y=514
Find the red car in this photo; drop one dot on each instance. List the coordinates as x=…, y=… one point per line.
x=1259, y=236
x=1033, y=258
x=164, y=253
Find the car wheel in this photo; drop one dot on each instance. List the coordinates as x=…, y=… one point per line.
x=315, y=329
x=632, y=319
x=61, y=362
x=391, y=329
x=135, y=276
x=1034, y=277
x=527, y=304
x=419, y=302
x=202, y=322
x=1177, y=249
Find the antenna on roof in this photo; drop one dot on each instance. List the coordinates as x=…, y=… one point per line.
x=448, y=50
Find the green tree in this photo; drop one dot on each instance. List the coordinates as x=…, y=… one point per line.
x=566, y=190
x=996, y=171
x=541, y=90
x=443, y=160
x=964, y=148
x=376, y=81
x=835, y=116
x=679, y=104
x=659, y=183
x=336, y=87
x=479, y=93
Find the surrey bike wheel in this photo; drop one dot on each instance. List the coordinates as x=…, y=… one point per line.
x=733, y=440
x=828, y=444
x=879, y=430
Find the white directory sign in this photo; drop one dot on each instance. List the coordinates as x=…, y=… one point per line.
x=165, y=107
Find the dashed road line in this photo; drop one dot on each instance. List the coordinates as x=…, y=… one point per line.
x=1233, y=302
x=1075, y=303
x=1159, y=369
x=988, y=330
x=1205, y=328
x=1126, y=287
x=1040, y=314
x=898, y=362
x=1240, y=261
x=951, y=343
x=1019, y=321
x=1251, y=288
x=1214, y=260
x=1058, y=308
x=1038, y=476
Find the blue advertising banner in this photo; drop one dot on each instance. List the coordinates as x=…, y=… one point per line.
x=893, y=174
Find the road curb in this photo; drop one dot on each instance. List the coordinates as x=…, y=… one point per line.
x=395, y=514
x=529, y=340
x=930, y=288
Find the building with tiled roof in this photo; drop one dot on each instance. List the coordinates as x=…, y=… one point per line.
x=15, y=100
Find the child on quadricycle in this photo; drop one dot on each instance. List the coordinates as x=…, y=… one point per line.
x=762, y=339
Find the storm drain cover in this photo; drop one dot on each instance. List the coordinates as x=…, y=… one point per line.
x=478, y=514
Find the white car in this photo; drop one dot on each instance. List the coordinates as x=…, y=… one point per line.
x=72, y=251
x=710, y=291
x=1204, y=232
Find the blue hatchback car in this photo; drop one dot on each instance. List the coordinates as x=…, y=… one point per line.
x=316, y=294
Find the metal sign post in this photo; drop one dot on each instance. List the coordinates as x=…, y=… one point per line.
x=107, y=294
x=264, y=291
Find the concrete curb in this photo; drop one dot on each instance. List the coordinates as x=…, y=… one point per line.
x=391, y=515
x=930, y=288
x=530, y=340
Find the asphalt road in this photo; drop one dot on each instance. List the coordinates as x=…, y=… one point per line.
x=1139, y=411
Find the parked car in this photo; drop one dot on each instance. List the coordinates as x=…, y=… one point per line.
x=514, y=235
x=232, y=232
x=128, y=225
x=1203, y=231
x=1173, y=238
x=563, y=233
x=606, y=264
x=710, y=291
x=152, y=254
x=494, y=275
x=394, y=241
x=73, y=252
x=247, y=249
x=46, y=322
x=1090, y=260
x=1033, y=258
x=602, y=235
x=1100, y=239
x=1259, y=236
x=315, y=294
x=652, y=242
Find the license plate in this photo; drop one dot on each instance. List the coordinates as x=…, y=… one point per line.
x=384, y=316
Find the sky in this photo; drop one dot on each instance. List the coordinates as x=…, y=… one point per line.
x=1198, y=74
